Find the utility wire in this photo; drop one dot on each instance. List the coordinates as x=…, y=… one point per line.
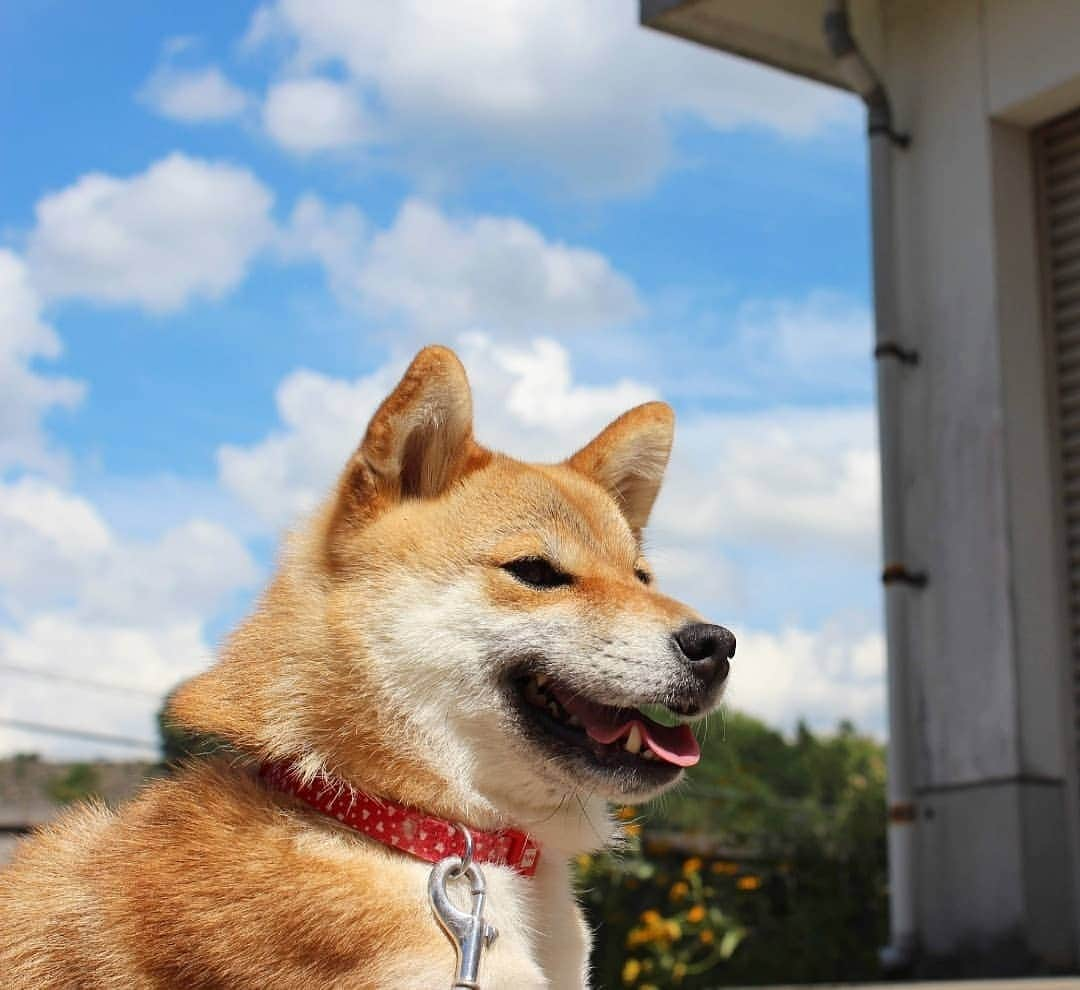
x=45, y=674
x=86, y=736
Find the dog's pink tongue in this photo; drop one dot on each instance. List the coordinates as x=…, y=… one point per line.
x=672, y=743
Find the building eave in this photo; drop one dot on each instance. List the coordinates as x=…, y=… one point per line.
x=778, y=33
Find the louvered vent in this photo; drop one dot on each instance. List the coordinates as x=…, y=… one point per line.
x=1058, y=149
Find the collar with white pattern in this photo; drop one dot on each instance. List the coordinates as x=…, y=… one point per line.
x=400, y=827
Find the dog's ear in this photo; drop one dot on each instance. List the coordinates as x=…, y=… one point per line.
x=629, y=457
x=418, y=442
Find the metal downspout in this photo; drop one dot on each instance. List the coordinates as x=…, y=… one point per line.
x=893, y=361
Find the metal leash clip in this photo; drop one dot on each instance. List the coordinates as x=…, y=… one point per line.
x=468, y=931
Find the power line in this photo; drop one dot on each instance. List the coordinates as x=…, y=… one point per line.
x=85, y=735
x=46, y=674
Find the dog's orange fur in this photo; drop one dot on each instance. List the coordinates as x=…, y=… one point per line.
x=207, y=879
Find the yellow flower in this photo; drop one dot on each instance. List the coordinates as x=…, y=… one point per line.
x=632, y=828
x=749, y=882
x=720, y=866
x=584, y=861
x=707, y=937
x=625, y=813
x=679, y=890
x=631, y=970
x=650, y=917
x=691, y=866
x=695, y=914
x=678, y=971
x=674, y=932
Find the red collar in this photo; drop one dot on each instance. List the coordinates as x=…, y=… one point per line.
x=401, y=827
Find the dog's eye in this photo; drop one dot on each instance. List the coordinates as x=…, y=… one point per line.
x=643, y=576
x=537, y=572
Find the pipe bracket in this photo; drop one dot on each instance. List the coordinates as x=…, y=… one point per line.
x=890, y=348
x=897, y=138
x=902, y=813
x=899, y=574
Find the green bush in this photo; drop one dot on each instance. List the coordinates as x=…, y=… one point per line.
x=77, y=783
x=768, y=866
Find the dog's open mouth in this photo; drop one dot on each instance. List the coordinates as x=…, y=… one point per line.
x=615, y=738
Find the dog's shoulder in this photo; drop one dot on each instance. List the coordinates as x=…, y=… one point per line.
x=134, y=898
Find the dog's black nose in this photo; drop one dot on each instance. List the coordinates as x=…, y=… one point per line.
x=708, y=648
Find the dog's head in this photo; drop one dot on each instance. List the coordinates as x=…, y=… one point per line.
x=490, y=626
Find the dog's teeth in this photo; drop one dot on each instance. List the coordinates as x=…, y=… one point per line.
x=633, y=741
x=574, y=721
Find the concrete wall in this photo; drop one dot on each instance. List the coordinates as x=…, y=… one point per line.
x=996, y=789
x=993, y=738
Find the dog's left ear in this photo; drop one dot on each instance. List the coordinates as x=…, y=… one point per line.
x=418, y=442
x=629, y=457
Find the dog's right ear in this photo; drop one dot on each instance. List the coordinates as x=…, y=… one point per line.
x=418, y=442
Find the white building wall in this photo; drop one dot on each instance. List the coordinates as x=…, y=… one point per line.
x=996, y=799
x=993, y=739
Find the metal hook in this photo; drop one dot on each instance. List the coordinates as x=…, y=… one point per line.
x=468, y=931
x=466, y=858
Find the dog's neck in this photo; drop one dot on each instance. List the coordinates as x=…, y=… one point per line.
x=397, y=826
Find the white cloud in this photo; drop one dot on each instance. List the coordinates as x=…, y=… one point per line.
x=336, y=237
x=822, y=342
x=150, y=659
x=193, y=96
x=789, y=479
x=578, y=89
x=786, y=478
x=818, y=675
x=185, y=228
x=315, y=114
x=26, y=396
x=323, y=420
x=85, y=603
x=66, y=557
x=444, y=274
x=526, y=404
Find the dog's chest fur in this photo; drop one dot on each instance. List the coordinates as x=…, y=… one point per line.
x=135, y=901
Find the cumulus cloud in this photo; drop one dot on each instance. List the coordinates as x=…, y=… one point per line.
x=817, y=675
x=526, y=404
x=185, y=228
x=315, y=114
x=322, y=420
x=578, y=89
x=432, y=274
x=821, y=343
x=441, y=273
x=786, y=478
x=26, y=395
x=193, y=96
x=334, y=236
x=85, y=603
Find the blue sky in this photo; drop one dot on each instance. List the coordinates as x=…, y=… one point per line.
x=226, y=227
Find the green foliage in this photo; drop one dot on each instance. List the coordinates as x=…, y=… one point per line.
x=79, y=782
x=767, y=867
x=24, y=762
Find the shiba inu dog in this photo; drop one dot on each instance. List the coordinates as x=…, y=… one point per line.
x=454, y=641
